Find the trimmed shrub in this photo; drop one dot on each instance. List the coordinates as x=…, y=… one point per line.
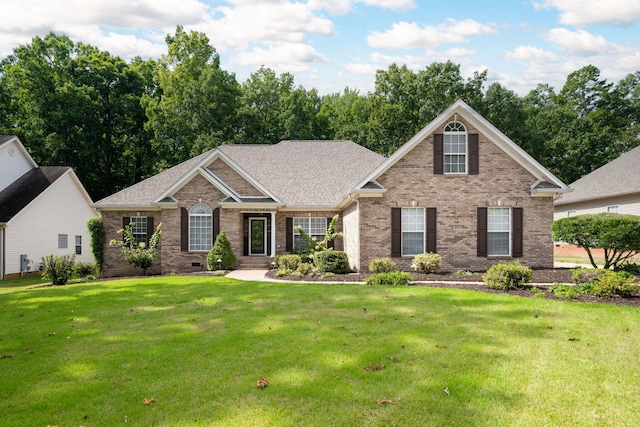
x=586, y=275
x=394, y=278
x=290, y=261
x=283, y=272
x=84, y=269
x=305, y=269
x=221, y=250
x=566, y=291
x=614, y=284
x=58, y=270
x=507, y=275
x=96, y=241
x=332, y=262
x=382, y=265
x=427, y=262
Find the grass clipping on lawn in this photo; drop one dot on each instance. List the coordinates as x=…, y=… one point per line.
x=190, y=351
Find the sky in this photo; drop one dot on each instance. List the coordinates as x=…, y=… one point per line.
x=333, y=44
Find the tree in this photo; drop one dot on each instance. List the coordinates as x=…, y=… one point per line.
x=617, y=234
x=221, y=250
x=96, y=242
x=194, y=107
x=138, y=254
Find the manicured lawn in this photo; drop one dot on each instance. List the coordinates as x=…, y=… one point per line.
x=22, y=283
x=90, y=354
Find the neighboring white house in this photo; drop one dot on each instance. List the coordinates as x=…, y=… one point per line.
x=614, y=187
x=43, y=210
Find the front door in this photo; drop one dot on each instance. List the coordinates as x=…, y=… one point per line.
x=257, y=236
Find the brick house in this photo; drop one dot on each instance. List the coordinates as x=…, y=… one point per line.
x=459, y=187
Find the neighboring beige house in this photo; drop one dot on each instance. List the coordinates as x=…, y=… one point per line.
x=43, y=210
x=460, y=188
x=614, y=187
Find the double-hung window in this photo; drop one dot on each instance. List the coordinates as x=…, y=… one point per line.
x=200, y=228
x=139, y=228
x=312, y=226
x=498, y=232
x=412, y=231
x=78, y=245
x=455, y=148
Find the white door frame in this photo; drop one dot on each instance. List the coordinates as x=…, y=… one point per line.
x=264, y=235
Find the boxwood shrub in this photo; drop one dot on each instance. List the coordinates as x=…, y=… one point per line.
x=382, y=265
x=332, y=261
x=427, y=262
x=507, y=275
x=394, y=278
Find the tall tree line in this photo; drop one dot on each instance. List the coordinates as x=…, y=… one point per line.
x=117, y=123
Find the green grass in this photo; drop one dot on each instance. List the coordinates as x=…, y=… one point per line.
x=578, y=260
x=22, y=283
x=89, y=354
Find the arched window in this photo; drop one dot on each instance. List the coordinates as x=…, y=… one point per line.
x=200, y=228
x=455, y=148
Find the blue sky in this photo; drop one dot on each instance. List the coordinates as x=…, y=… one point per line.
x=332, y=44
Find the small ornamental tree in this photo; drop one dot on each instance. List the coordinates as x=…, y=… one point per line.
x=617, y=234
x=221, y=250
x=310, y=245
x=138, y=254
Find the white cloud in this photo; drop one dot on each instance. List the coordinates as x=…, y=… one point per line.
x=280, y=57
x=334, y=7
x=593, y=12
x=390, y=4
x=362, y=69
x=405, y=35
x=531, y=54
x=579, y=42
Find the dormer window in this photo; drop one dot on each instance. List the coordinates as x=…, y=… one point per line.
x=455, y=148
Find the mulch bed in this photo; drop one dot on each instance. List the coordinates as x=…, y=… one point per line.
x=541, y=279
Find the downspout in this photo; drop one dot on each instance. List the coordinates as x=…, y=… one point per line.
x=273, y=234
x=358, y=234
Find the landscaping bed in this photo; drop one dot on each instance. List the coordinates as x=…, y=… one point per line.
x=473, y=281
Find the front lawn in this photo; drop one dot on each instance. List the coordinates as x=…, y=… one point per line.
x=189, y=351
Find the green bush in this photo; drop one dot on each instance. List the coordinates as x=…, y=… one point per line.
x=614, y=284
x=629, y=267
x=84, y=269
x=58, y=269
x=96, y=241
x=566, y=291
x=394, y=278
x=427, y=262
x=221, y=250
x=283, y=272
x=382, y=265
x=332, y=261
x=507, y=275
x=290, y=261
x=586, y=275
x=305, y=269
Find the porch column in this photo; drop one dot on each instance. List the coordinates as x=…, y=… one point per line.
x=273, y=234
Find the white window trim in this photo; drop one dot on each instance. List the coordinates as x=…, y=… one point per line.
x=510, y=231
x=210, y=222
x=571, y=213
x=402, y=231
x=613, y=209
x=466, y=149
x=133, y=220
x=308, y=228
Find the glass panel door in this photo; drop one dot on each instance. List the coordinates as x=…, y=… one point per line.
x=257, y=236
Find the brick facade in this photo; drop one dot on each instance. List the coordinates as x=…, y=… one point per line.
x=501, y=182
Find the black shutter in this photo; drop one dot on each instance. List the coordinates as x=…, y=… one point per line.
x=216, y=223
x=245, y=240
x=331, y=243
x=482, y=232
x=184, y=230
x=517, y=223
x=438, y=154
x=431, y=230
x=150, y=228
x=125, y=221
x=474, y=158
x=396, y=232
x=289, y=235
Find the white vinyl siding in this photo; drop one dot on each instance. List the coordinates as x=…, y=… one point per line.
x=200, y=228
x=412, y=231
x=498, y=231
x=313, y=226
x=13, y=164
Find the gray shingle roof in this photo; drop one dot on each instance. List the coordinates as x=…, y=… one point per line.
x=25, y=189
x=619, y=176
x=299, y=173
x=306, y=173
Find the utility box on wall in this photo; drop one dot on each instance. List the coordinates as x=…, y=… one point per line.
x=24, y=263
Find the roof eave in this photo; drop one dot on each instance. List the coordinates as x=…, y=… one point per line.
x=126, y=207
